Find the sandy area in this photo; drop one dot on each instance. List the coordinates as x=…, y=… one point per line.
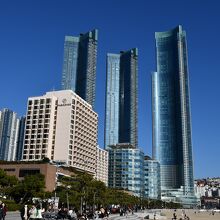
x=192, y=215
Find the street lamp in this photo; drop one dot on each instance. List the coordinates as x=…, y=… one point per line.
x=57, y=163
x=55, y=188
x=94, y=201
x=81, y=198
x=67, y=197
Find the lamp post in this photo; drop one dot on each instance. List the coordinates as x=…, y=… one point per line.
x=94, y=202
x=56, y=176
x=148, y=201
x=81, y=199
x=57, y=163
x=81, y=205
x=55, y=188
x=67, y=197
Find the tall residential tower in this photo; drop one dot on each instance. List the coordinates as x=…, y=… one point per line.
x=172, y=139
x=9, y=128
x=79, y=65
x=121, y=98
x=20, y=142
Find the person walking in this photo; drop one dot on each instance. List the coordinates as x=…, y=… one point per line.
x=62, y=213
x=24, y=212
x=33, y=212
x=39, y=212
x=174, y=216
x=1, y=211
x=4, y=209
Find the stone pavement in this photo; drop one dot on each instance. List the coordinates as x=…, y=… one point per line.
x=193, y=214
x=141, y=215
x=136, y=216
x=129, y=217
x=16, y=216
x=13, y=216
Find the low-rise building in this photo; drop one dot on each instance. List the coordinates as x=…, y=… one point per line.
x=51, y=172
x=102, y=165
x=209, y=187
x=126, y=168
x=152, y=187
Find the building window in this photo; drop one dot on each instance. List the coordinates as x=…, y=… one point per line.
x=9, y=169
x=26, y=172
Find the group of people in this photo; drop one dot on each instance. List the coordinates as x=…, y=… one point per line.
x=184, y=216
x=64, y=213
x=34, y=213
x=38, y=213
x=3, y=210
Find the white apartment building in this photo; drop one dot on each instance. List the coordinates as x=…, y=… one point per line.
x=63, y=127
x=102, y=165
x=199, y=190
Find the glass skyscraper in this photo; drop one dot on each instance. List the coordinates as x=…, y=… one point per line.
x=172, y=139
x=20, y=142
x=70, y=62
x=112, y=100
x=9, y=127
x=79, y=65
x=121, y=98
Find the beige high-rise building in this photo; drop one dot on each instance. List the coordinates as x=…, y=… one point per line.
x=102, y=165
x=62, y=127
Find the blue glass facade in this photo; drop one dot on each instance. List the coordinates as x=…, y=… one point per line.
x=172, y=141
x=9, y=125
x=121, y=98
x=70, y=63
x=79, y=65
x=152, y=188
x=20, y=143
x=126, y=168
x=128, y=97
x=112, y=100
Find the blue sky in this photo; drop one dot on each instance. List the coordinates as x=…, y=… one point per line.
x=31, y=54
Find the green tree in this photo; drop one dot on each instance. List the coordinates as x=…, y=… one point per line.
x=31, y=186
x=82, y=187
x=7, y=182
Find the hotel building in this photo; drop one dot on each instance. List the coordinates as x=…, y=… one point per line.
x=61, y=126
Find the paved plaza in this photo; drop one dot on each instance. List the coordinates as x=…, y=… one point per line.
x=193, y=214
x=13, y=216
x=129, y=217
x=166, y=214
